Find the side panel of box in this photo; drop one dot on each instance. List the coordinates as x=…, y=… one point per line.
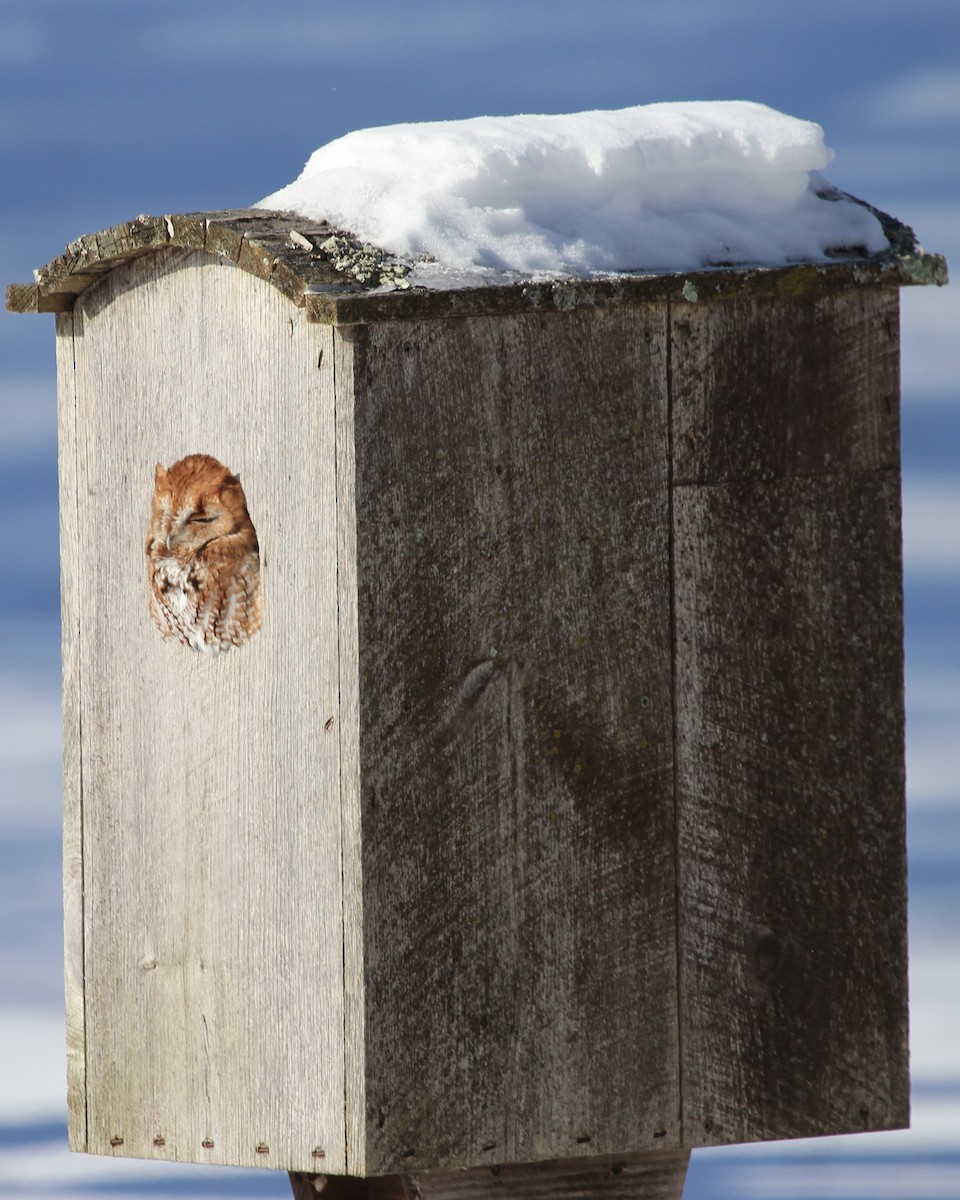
x=516, y=738
x=212, y=939
x=70, y=568
x=354, y=964
x=790, y=716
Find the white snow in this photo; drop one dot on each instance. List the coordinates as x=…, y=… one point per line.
x=659, y=187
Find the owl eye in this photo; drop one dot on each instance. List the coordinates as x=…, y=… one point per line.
x=198, y=520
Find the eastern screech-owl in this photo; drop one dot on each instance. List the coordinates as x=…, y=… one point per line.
x=202, y=556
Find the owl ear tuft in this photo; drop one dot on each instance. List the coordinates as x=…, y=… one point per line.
x=160, y=472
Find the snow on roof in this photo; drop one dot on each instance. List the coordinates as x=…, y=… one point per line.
x=659, y=187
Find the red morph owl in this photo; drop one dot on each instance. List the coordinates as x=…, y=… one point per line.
x=202, y=556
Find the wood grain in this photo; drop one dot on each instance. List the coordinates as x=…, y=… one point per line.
x=212, y=942
x=516, y=738
x=70, y=613
x=281, y=248
x=785, y=386
x=557, y=810
x=653, y=1175
x=354, y=964
x=790, y=719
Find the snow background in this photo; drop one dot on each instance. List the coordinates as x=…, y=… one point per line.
x=109, y=109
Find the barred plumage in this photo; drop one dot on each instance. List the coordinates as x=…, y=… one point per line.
x=202, y=556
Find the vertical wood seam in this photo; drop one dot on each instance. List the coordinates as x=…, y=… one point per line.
x=80, y=794
x=351, y=893
x=675, y=735
x=343, y=911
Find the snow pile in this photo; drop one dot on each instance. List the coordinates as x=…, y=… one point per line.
x=658, y=187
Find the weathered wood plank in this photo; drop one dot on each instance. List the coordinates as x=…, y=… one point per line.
x=224, y=240
x=458, y=725
x=355, y=307
x=23, y=297
x=516, y=738
x=794, y=385
x=71, y=486
x=213, y=962
x=653, y=1175
x=790, y=722
x=259, y=240
x=132, y=238
x=81, y=257
x=282, y=264
x=355, y=1031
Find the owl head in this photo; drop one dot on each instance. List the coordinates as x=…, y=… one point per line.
x=196, y=501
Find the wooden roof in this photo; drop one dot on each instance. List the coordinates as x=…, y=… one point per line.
x=339, y=280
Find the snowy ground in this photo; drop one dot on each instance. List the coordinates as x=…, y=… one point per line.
x=108, y=110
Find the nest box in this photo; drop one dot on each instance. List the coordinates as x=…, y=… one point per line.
x=554, y=815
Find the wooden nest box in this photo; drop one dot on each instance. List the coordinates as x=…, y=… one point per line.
x=555, y=813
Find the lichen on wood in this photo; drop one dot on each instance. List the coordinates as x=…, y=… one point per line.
x=338, y=279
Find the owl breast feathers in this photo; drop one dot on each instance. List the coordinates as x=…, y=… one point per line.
x=203, y=560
